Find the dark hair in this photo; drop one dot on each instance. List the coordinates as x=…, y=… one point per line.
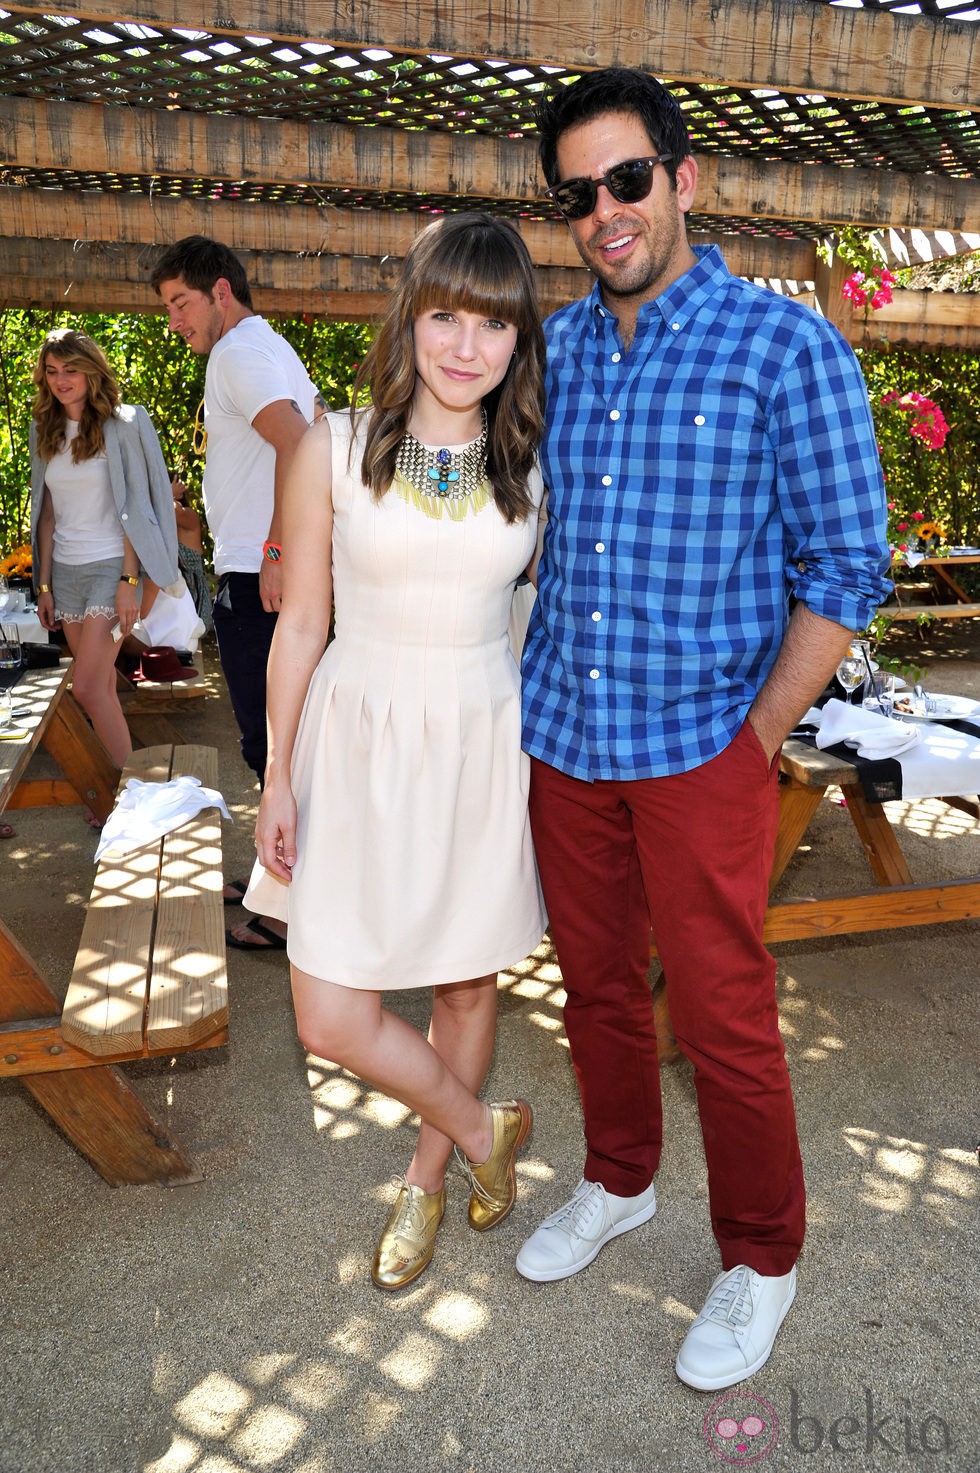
x=78, y=352
x=200, y=262
x=612, y=90
x=469, y=263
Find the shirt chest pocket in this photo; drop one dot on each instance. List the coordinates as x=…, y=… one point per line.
x=714, y=453
x=701, y=477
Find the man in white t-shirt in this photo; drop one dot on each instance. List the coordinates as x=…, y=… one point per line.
x=258, y=401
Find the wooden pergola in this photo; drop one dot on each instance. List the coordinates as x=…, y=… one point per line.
x=318, y=138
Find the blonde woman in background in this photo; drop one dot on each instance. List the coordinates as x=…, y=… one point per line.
x=102, y=515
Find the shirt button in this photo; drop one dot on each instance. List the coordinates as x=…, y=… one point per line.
x=600, y=547
x=675, y=327
x=699, y=419
x=596, y=617
x=124, y=516
x=616, y=357
x=607, y=480
x=593, y=675
x=614, y=414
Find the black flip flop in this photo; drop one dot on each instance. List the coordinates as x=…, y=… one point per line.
x=274, y=942
x=239, y=887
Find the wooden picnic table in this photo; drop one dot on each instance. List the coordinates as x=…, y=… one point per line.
x=86, y=1096
x=896, y=898
x=56, y=723
x=951, y=601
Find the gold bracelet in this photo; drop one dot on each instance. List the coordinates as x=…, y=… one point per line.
x=127, y=578
x=44, y=588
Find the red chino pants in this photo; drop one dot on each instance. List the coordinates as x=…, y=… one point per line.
x=687, y=856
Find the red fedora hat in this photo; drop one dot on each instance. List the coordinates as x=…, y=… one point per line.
x=160, y=663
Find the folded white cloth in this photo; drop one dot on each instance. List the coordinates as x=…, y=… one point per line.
x=146, y=811
x=869, y=733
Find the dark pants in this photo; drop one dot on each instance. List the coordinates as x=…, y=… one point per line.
x=690, y=856
x=244, y=632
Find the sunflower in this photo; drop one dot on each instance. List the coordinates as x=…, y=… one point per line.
x=930, y=534
x=17, y=564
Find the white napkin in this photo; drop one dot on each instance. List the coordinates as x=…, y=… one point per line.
x=146, y=811
x=871, y=734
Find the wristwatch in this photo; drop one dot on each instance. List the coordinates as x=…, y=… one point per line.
x=272, y=551
x=44, y=588
x=127, y=578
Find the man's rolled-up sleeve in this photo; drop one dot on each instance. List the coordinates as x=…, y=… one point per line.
x=831, y=490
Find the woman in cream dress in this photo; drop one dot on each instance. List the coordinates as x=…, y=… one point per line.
x=392, y=833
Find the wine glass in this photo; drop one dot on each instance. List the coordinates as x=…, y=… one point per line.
x=5, y=598
x=852, y=671
x=10, y=662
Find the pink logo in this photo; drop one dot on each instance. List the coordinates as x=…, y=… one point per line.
x=741, y=1428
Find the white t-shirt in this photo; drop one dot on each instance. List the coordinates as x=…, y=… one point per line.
x=249, y=368
x=87, y=528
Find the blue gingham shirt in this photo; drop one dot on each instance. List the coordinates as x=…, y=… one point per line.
x=726, y=460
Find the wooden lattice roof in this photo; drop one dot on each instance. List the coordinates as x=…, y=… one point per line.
x=319, y=137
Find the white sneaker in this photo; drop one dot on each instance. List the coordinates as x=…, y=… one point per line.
x=734, y=1333
x=571, y=1237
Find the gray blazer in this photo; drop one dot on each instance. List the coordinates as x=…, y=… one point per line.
x=140, y=488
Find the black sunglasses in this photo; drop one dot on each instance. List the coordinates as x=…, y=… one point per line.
x=628, y=182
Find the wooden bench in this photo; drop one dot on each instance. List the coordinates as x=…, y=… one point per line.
x=931, y=611
x=150, y=974
x=149, y=980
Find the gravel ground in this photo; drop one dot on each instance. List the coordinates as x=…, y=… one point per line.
x=231, y=1326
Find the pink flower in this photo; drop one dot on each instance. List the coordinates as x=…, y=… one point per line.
x=902, y=526
x=928, y=424
x=876, y=293
x=918, y=516
x=852, y=289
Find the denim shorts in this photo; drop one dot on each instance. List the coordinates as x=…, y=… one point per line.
x=84, y=590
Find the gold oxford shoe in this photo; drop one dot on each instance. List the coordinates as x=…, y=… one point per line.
x=494, y=1184
x=406, y=1245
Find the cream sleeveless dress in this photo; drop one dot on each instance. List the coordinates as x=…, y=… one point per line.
x=414, y=860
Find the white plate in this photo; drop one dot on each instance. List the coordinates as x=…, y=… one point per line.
x=951, y=708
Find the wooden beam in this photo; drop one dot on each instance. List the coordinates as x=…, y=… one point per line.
x=907, y=308
x=269, y=271
x=916, y=319
x=935, y=309
x=108, y=295
x=53, y=274
x=828, y=281
x=157, y=143
x=793, y=47
x=929, y=328
x=88, y=216
x=58, y=273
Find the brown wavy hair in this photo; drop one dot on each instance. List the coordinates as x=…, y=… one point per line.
x=467, y=263
x=78, y=352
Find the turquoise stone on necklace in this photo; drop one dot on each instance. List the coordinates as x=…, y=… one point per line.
x=443, y=477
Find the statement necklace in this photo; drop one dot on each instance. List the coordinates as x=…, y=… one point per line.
x=438, y=477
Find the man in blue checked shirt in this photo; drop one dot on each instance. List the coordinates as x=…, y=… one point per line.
x=711, y=464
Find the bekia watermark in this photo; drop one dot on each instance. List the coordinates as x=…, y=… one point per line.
x=742, y=1429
